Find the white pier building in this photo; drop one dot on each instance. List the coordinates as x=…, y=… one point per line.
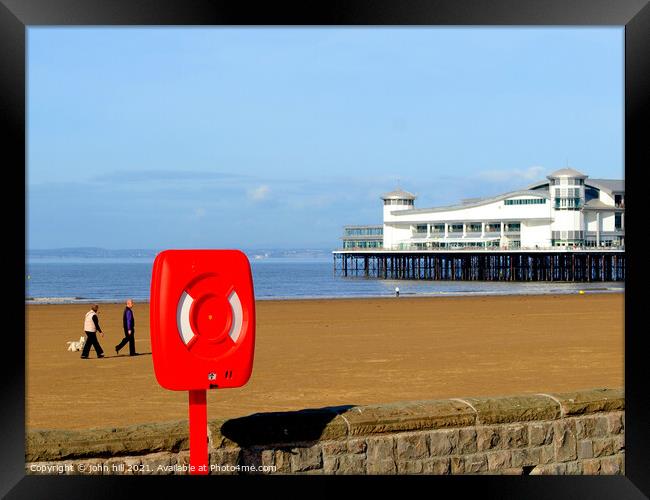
x=566, y=210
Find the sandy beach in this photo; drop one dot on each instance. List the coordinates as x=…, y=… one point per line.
x=316, y=353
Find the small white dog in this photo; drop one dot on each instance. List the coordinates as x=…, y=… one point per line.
x=77, y=346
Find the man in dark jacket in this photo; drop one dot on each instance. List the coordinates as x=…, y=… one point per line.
x=128, y=322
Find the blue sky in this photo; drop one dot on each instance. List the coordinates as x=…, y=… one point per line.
x=277, y=137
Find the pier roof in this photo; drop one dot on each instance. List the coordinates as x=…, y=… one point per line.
x=608, y=185
x=398, y=194
x=482, y=201
x=567, y=172
x=596, y=204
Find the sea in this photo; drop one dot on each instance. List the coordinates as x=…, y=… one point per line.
x=54, y=280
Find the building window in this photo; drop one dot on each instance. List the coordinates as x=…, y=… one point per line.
x=619, y=201
x=364, y=231
x=618, y=221
x=591, y=193
x=398, y=202
x=526, y=201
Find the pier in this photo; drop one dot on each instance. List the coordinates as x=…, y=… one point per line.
x=578, y=265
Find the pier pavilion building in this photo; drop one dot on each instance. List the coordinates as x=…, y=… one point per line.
x=567, y=209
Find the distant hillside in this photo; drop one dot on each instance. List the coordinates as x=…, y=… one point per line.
x=94, y=252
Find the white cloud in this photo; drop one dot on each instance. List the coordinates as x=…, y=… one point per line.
x=199, y=212
x=259, y=193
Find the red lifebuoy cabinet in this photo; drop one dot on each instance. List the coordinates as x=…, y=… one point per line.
x=202, y=324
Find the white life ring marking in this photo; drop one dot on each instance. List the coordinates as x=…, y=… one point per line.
x=183, y=318
x=238, y=316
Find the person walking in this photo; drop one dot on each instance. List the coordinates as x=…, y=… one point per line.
x=128, y=322
x=91, y=327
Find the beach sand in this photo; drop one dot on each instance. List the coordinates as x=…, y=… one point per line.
x=317, y=353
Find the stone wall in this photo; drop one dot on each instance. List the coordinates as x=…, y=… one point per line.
x=568, y=433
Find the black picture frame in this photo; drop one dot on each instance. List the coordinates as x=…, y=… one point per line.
x=17, y=15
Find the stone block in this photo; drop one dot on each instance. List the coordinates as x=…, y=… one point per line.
x=574, y=468
x=603, y=447
x=466, y=441
x=476, y=463
x=615, y=423
x=540, y=433
x=564, y=441
x=514, y=436
x=591, y=401
x=56, y=445
x=497, y=460
x=526, y=457
x=409, y=416
x=619, y=442
x=283, y=461
x=381, y=466
x=621, y=456
x=443, y=442
x=491, y=410
x=380, y=455
x=611, y=465
x=334, y=447
x=411, y=446
x=436, y=466
x=549, y=470
x=488, y=438
x=410, y=467
x=591, y=426
x=330, y=464
x=512, y=471
x=304, y=459
x=380, y=448
x=351, y=464
x=457, y=465
x=591, y=467
x=267, y=458
x=585, y=449
x=356, y=446
x=546, y=454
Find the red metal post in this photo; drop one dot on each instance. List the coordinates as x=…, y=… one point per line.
x=198, y=432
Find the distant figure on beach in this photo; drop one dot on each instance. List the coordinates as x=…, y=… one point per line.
x=91, y=327
x=396, y=291
x=128, y=322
